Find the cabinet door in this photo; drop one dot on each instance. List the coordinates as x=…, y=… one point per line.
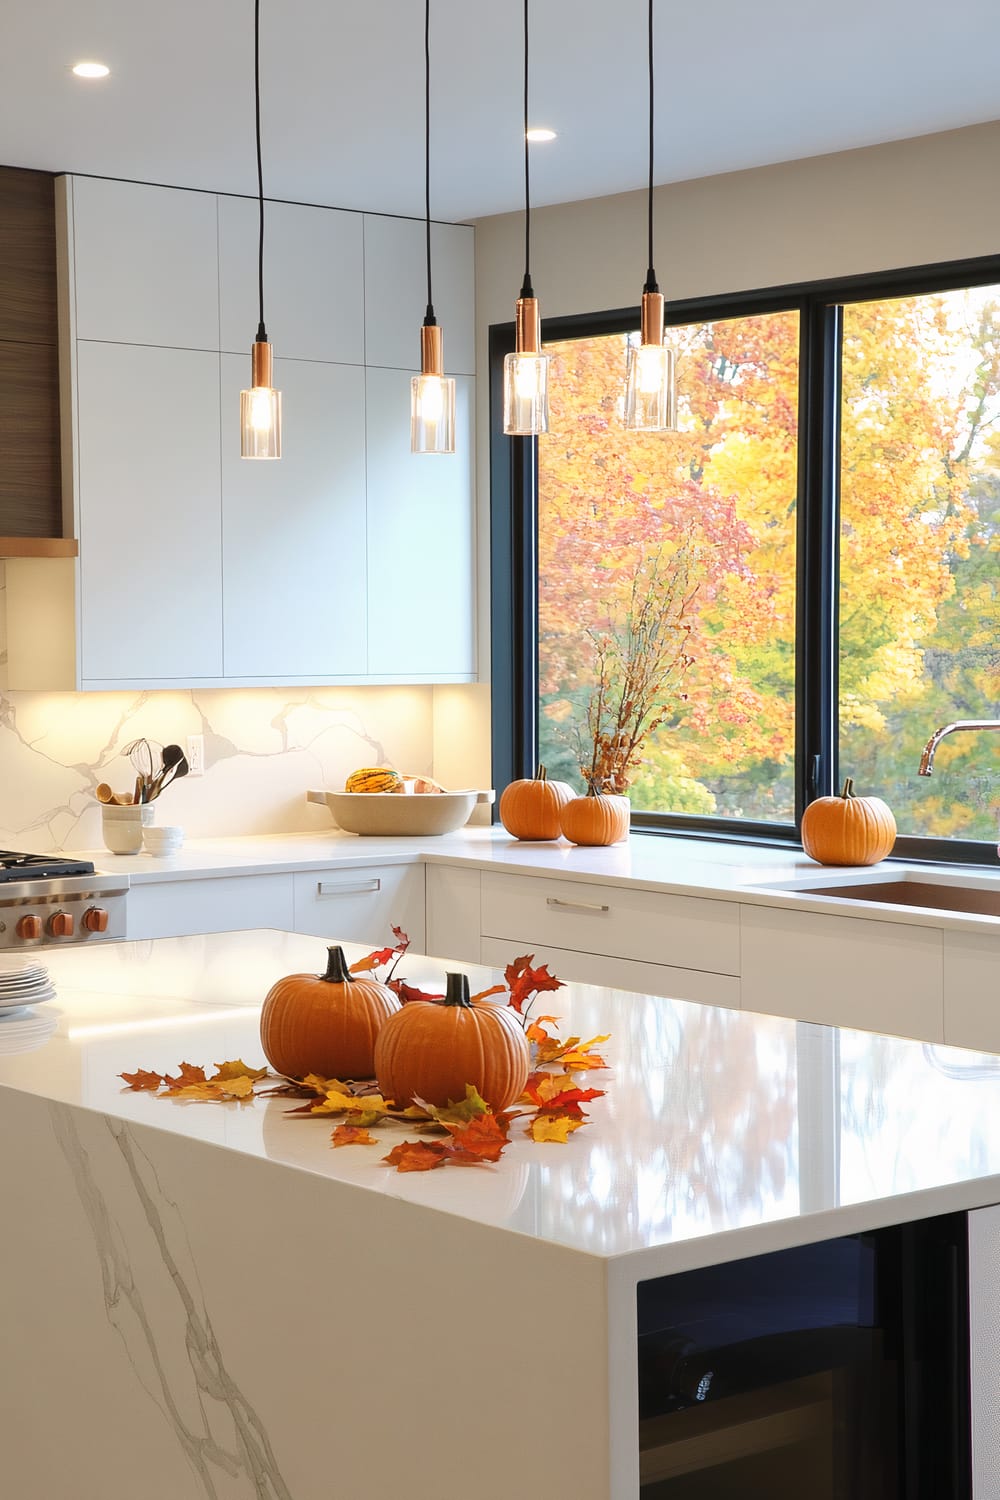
x=396, y=292
x=421, y=540
x=294, y=531
x=231, y=903
x=150, y=555
x=313, y=280
x=146, y=264
x=972, y=990
x=362, y=905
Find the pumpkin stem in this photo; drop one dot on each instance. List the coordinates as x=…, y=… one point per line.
x=337, y=971
x=592, y=788
x=541, y=774
x=848, y=787
x=457, y=991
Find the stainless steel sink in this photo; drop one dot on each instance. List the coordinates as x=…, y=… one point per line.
x=931, y=892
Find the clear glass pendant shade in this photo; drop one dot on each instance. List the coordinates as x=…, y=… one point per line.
x=432, y=414
x=260, y=422
x=525, y=394
x=651, y=389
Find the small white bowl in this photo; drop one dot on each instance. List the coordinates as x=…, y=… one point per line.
x=162, y=841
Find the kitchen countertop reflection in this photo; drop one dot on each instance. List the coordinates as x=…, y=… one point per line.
x=722, y=1133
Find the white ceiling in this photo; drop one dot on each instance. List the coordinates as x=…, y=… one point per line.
x=739, y=84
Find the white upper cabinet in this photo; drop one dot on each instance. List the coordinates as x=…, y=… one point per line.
x=294, y=530
x=396, y=292
x=421, y=543
x=313, y=280
x=145, y=263
x=150, y=552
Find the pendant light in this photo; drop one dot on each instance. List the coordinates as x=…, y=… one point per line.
x=432, y=393
x=651, y=385
x=526, y=371
x=260, y=406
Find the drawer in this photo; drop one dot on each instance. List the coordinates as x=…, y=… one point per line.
x=362, y=905
x=233, y=903
x=621, y=974
x=684, y=932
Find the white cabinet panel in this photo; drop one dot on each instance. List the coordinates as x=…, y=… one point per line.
x=149, y=505
x=972, y=990
x=362, y=905
x=232, y=903
x=681, y=931
x=396, y=292
x=313, y=280
x=421, y=542
x=146, y=262
x=294, y=531
x=620, y=974
x=843, y=971
x=453, y=911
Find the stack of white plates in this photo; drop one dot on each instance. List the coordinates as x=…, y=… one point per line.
x=28, y=984
x=24, y=1030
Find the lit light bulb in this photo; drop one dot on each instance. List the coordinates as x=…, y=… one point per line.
x=650, y=371
x=526, y=376
x=432, y=414
x=261, y=408
x=431, y=398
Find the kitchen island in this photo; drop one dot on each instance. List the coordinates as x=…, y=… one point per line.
x=207, y=1300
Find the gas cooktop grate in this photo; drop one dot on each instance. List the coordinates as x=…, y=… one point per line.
x=14, y=866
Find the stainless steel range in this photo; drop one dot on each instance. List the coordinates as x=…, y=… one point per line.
x=46, y=899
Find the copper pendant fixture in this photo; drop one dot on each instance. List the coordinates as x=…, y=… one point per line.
x=526, y=371
x=260, y=406
x=432, y=393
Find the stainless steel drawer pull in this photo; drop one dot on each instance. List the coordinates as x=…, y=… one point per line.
x=574, y=905
x=349, y=888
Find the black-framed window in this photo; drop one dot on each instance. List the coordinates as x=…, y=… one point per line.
x=832, y=508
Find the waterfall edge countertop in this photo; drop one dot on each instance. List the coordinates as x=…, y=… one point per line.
x=258, y=1313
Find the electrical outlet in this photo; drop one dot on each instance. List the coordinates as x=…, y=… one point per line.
x=196, y=754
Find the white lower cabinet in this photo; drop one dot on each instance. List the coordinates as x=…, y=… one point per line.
x=453, y=911
x=230, y=903
x=843, y=971
x=618, y=973
x=362, y=905
x=972, y=991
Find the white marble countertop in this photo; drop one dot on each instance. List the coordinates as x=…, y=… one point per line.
x=722, y=1133
x=687, y=867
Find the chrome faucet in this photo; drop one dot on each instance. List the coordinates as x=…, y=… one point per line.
x=927, y=758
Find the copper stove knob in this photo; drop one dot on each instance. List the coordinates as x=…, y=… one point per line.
x=29, y=927
x=95, y=919
x=61, y=924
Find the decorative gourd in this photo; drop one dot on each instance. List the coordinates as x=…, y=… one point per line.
x=374, y=779
x=598, y=818
x=433, y=1048
x=530, y=809
x=848, y=830
x=325, y=1023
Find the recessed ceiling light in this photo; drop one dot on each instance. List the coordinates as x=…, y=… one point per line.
x=540, y=133
x=91, y=70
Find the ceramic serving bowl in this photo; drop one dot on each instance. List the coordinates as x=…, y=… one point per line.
x=399, y=815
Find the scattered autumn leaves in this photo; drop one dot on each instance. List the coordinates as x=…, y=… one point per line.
x=465, y=1132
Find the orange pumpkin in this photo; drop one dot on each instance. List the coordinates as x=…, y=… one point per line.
x=530, y=809
x=848, y=830
x=325, y=1023
x=433, y=1048
x=598, y=818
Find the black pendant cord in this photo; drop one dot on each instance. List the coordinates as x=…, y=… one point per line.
x=526, y=290
x=429, y=319
x=261, y=334
x=651, y=285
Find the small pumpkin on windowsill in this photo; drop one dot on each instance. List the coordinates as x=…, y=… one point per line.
x=529, y=809
x=848, y=830
x=597, y=818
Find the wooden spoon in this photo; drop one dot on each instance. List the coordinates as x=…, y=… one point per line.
x=107, y=796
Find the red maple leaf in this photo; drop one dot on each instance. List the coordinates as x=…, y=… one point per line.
x=524, y=982
x=407, y=992
x=187, y=1073
x=141, y=1079
x=482, y=1139
x=419, y=1156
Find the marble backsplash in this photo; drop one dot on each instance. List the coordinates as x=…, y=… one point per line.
x=263, y=748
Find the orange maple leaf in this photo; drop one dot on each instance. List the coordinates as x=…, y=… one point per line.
x=352, y=1135
x=237, y=1069
x=142, y=1080
x=419, y=1156
x=483, y=1139
x=524, y=982
x=494, y=989
x=188, y=1073
x=373, y=961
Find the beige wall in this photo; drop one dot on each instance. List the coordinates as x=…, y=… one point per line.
x=907, y=203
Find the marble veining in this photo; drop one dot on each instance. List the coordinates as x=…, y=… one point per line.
x=154, y=1301
x=263, y=748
